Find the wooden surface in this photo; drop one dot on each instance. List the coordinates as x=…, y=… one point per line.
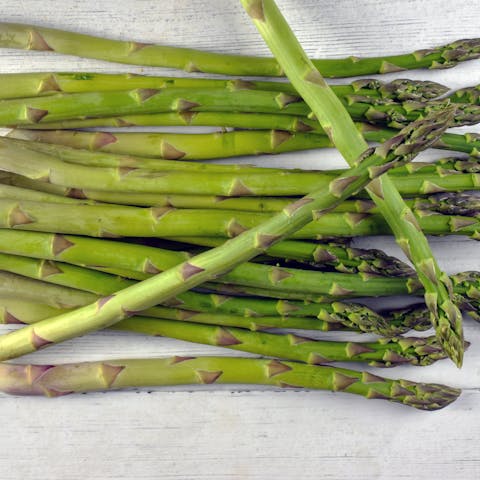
x=199, y=433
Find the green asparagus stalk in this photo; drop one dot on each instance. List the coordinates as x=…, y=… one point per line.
x=30, y=37
x=338, y=316
x=111, y=309
x=53, y=381
x=22, y=85
x=18, y=187
x=336, y=285
x=17, y=158
x=254, y=275
x=222, y=145
x=446, y=317
x=252, y=313
x=252, y=308
x=23, y=188
x=67, y=106
x=18, y=193
x=145, y=259
x=387, y=352
x=102, y=159
x=176, y=146
x=239, y=120
x=22, y=311
x=441, y=170
x=104, y=220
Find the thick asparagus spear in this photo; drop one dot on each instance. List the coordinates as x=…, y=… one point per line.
x=109, y=310
x=30, y=37
x=105, y=220
x=145, y=259
x=254, y=275
x=53, y=381
x=22, y=188
x=308, y=81
x=17, y=158
x=176, y=146
x=66, y=106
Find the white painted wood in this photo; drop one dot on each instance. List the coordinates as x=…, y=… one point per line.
x=200, y=433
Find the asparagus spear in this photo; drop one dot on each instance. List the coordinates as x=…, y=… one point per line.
x=145, y=259
x=22, y=85
x=176, y=146
x=17, y=158
x=222, y=145
x=338, y=316
x=13, y=186
x=260, y=277
x=103, y=220
x=254, y=275
x=23, y=188
x=53, y=381
x=111, y=309
x=30, y=37
x=21, y=311
x=245, y=312
x=386, y=352
x=446, y=317
x=66, y=106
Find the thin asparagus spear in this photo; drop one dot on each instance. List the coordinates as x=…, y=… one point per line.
x=21, y=311
x=257, y=312
x=53, y=381
x=17, y=193
x=339, y=316
x=22, y=85
x=30, y=37
x=386, y=352
x=239, y=120
x=111, y=309
x=15, y=186
x=446, y=317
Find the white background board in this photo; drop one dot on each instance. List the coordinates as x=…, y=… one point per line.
x=198, y=433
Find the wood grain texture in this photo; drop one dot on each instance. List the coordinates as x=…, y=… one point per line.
x=198, y=433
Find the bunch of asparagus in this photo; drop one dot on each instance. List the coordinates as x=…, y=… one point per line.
x=103, y=229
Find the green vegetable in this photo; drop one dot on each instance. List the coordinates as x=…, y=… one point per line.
x=335, y=120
